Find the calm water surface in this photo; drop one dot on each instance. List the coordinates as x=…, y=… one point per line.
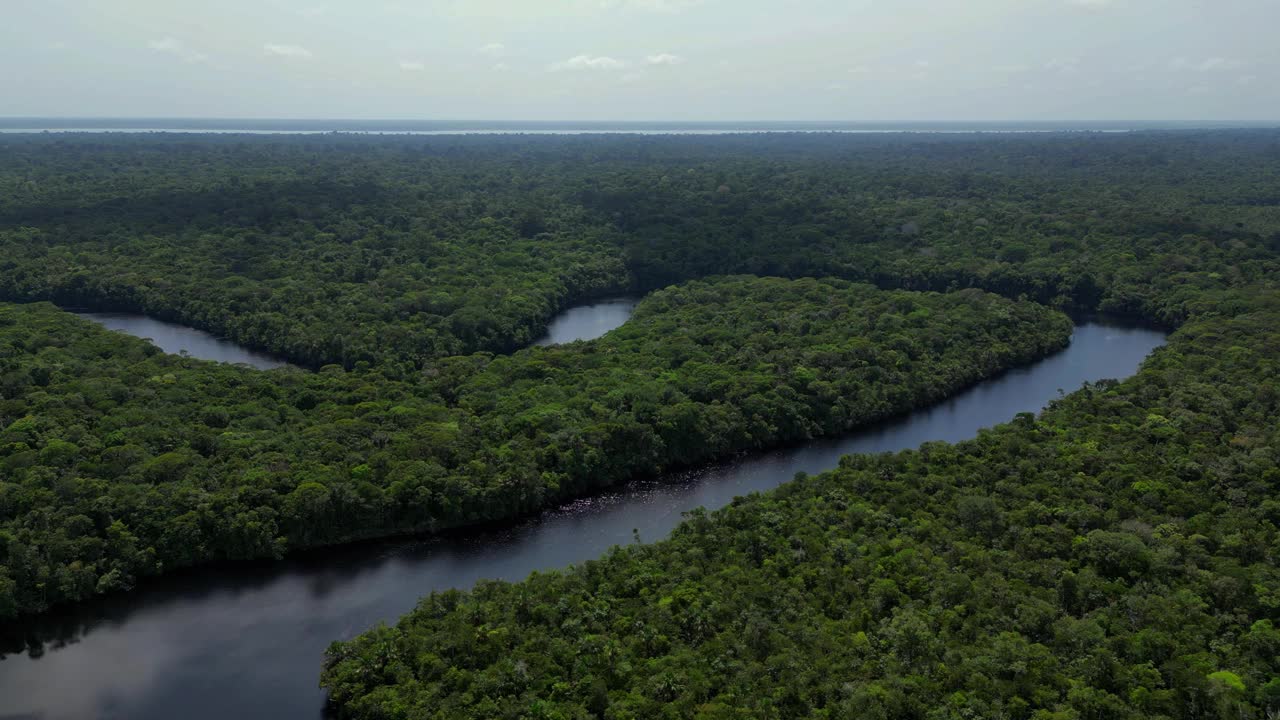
x=584, y=322
x=587, y=322
x=462, y=127
x=247, y=642
x=180, y=339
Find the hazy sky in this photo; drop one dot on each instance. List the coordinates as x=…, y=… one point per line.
x=644, y=59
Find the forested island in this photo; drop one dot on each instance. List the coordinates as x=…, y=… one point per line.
x=1113, y=558
x=125, y=462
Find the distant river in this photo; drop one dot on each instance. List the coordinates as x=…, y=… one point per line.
x=587, y=322
x=246, y=641
x=582, y=322
x=560, y=127
x=180, y=339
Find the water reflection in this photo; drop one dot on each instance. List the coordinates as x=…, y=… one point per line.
x=583, y=322
x=246, y=641
x=180, y=339
x=587, y=322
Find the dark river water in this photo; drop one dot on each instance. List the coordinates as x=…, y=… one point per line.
x=180, y=339
x=246, y=642
x=586, y=322
x=583, y=322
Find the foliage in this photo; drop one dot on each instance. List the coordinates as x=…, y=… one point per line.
x=1078, y=565
x=1113, y=558
x=320, y=253
x=118, y=461
x=348, y=249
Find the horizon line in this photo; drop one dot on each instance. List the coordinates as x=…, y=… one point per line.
x=264, y=118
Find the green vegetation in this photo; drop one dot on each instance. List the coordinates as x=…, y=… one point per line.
x=395, y=251
x=119, y=461
x=1112, y=559
x=318, y=253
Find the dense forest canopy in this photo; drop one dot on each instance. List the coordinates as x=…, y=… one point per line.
x=1111, y=559
x=1114, y=558
x=120, y=461
x=346, y=249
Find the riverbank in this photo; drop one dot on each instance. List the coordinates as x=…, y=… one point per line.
x=200, y=624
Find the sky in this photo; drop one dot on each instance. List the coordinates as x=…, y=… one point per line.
x=695, y=60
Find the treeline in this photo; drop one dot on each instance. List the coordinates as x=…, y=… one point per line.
x=320, y=254
x=118, y=461
x=401, y=250
x=1114, y=558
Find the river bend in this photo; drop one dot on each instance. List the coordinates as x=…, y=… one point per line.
x=247, y=641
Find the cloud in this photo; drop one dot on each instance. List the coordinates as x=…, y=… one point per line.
x=1217, y=63
x=1091, y=3
x=589, y=62
x=860, y=70
x=412, y=65
x=500, y=67
x=658, y=6
x=174, y=47
x=492, y=49
x=1246, y=80
x=1213, y=64
x=287, y=51
x=1064, y=66
x=663, y=59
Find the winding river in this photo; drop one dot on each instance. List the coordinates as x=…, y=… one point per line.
x=183, y=340
x=581, y=322
x=247, y=641
x=585, y=322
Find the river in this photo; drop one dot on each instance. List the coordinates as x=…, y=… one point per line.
x=247, y=641
x=581, y=322
x=586, y=322
x=180, y=340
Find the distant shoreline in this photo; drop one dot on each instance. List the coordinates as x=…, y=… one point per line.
x=478, y=127
x=620, y=131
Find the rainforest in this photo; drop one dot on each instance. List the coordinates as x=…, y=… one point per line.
x=1112, y=557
